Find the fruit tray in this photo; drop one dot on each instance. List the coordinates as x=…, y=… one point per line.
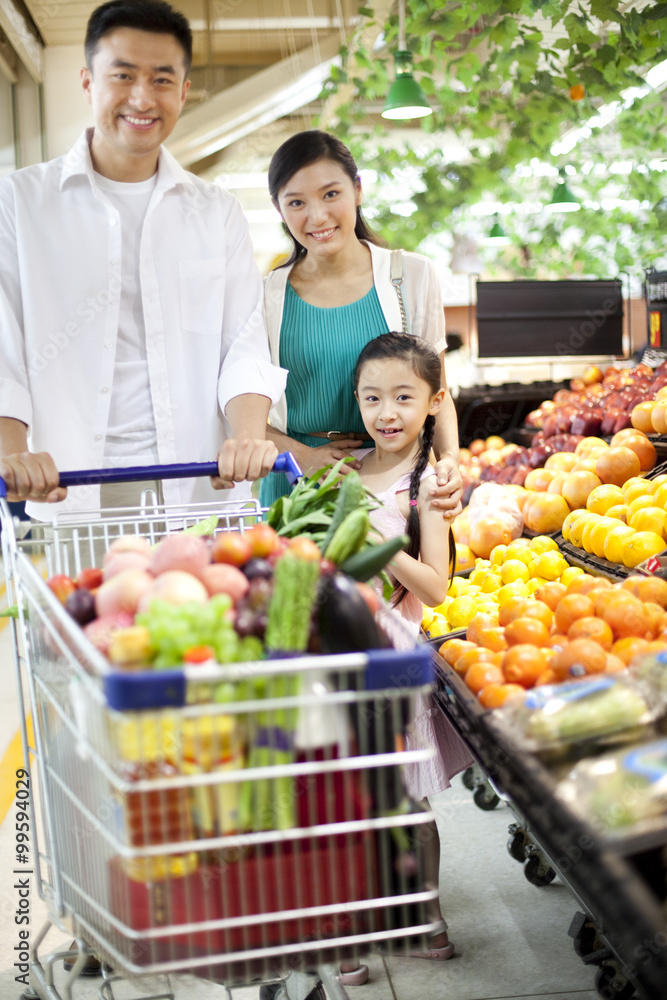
x=592, y=564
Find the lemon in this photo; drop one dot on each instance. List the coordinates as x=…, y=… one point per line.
x=497, y=556
x=480, y=572
x=458, y=586
x=439, y=626
x=638, y=504
x=568, y=575
x=543, y=543
x=637, y=487
x=619, y=512
x=615, y=541
x=514, y=569
x=516, y=589
x=427, y=617
x=491, y=582
x=650, y=519
x=660, y=495
x=441, y=609
x=519, y=549
x=461, y=611
x=550, y=565
x=577, y=526
x=586, y=543
x=640, y=546
x=487, y=606
x=598, y=535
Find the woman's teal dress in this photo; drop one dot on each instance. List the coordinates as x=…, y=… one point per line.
x=319, y=347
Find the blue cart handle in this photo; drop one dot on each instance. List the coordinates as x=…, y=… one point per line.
x=285, y=462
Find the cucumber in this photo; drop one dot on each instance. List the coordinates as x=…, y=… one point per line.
x=348, y=537
x=350, y=495
x=365, y=565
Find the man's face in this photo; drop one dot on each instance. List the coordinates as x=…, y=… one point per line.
x=136, y=86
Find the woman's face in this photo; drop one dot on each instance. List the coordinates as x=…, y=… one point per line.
x=319, y=207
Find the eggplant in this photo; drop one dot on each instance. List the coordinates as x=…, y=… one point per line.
x=344, y=621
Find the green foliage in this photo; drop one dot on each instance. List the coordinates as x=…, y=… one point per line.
x=493, y=80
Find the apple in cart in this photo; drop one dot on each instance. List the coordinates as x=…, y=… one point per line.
x=123, y=592
x=221, y=578
x=174, y=587
x=101, y=631
x=89, y=578
x=62, y=586
x=187, y=553
x=128, y=543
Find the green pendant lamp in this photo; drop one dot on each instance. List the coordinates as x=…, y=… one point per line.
x=405, y=99
x=562, y=199
x=497, y=237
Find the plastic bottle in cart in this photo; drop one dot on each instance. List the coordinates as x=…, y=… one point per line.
x=213, y=743
x=147, y=750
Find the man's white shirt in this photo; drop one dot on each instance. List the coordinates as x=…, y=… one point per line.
x=60, y=306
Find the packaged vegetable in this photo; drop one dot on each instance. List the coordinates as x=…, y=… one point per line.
x=559, y=716
x=618, y=790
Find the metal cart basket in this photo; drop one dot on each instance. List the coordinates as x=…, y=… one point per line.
x=231, y=821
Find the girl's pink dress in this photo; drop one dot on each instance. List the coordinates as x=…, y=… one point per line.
x=430, y=726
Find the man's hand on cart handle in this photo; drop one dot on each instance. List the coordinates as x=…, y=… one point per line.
x=240, y=460
x=31, y=476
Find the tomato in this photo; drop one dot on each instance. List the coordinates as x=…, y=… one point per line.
x=304, y=548
x=370, y=596
x=198, y=654
x=231, y=547
x=62, y=586
x=263, y=540
x=89, y=579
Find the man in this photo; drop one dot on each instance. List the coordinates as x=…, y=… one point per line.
x=130, y=304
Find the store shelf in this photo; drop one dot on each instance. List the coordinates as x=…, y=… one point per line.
x=592, y=564
x=600, y=872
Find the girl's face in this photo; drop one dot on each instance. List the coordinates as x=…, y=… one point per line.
x=319, y=207
x=394, y=403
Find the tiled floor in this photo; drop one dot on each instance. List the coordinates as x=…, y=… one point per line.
x=511, y=938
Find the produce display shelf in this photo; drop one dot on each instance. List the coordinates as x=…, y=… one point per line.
x=661, y=468
x=659, y=442
x=592, y=564
x=602, y=872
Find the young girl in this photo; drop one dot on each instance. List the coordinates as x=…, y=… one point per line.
x=397, y=384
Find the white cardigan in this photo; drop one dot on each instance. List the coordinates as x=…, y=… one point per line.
x=421, y=296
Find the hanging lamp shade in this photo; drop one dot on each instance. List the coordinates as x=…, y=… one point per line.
x=497, y=237
x=562, y=199
x=405, y=98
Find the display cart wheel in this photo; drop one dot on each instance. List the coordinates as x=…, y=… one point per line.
x=484, y=797
x=588, y=946
x=468, y=778
x=612, y=984
x=537, y=870
x=516, y=845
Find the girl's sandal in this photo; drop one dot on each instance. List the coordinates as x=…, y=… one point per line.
x=441, y=954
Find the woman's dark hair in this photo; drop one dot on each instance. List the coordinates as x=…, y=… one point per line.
x=144, y=15
x=425, y=363
x=300, y=151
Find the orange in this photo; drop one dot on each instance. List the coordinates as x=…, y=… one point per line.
x=580, y=657
x=578, y=486
x=619, y=512
x=465, y=558
x=640, y=546
x=570, y=608
x=586, y=583
x=628, y=647
x=645, y=500
x=494, y=695
x=625, y=614
x=636, y=487
x=592, y=628
x=643, y=449
x=660, y=496
x=478, y=626
x=546, y=677
x=577, y=527
x=545, y=513
x=538, y=479
x=494, y=639
x=598, y=535
x=471, y=656
x=586, y=542
x=526, y=630
x=603, y=497
x=522, y=664
x=511, y=609
x=650, y=519
x=488, y=532
x=478, y=675
x=655, y=619
x=614, y=663
x=615, y=540
x=641, y=416
x=451, y=649
x=539, y=610
x=587, y=443
x=602, y=599
x=550, y=593
x=647, y=588
x=561, y=461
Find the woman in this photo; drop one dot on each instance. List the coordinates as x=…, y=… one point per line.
x=333, y=295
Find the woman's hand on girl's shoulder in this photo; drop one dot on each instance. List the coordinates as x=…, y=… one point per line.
x=446, y=487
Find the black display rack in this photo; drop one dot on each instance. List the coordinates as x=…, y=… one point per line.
x=619, y=883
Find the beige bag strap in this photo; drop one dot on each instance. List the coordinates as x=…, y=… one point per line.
x=396, y=275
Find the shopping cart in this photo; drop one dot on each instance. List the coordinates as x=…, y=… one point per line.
x=241, y=822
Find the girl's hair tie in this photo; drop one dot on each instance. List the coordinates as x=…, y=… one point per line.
x=413, y=503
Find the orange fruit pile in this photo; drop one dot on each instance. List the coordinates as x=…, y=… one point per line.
x=588, y=627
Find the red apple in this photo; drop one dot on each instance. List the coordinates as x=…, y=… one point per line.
x=62, y=586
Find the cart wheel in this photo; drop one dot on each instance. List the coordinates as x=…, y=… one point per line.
x=484, y=797
x=586, y=941
x=516, y=845
x=537, y=871
x=612, y=985
x=468, y=778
